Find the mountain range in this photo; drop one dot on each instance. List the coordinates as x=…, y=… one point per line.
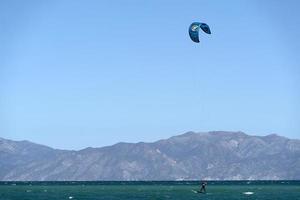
x=217, y=155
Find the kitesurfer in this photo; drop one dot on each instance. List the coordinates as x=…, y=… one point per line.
x=203, y=189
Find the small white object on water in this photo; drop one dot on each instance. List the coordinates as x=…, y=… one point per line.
x=70, y=197
x=248, y=193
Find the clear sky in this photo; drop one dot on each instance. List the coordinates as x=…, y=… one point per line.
x=92, y=73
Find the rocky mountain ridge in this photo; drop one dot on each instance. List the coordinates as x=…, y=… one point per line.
x=217, y=155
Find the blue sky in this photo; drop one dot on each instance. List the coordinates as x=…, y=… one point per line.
x=92, y=73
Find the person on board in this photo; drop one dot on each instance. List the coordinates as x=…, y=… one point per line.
x=203, y=187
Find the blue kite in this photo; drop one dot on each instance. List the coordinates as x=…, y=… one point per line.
x=194, y=30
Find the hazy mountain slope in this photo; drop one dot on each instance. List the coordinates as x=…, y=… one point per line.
x=212, y=155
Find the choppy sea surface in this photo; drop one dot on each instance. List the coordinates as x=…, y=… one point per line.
x=150, y=190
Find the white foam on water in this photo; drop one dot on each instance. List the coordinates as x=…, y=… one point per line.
x=248, y=193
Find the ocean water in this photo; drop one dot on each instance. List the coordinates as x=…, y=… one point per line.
x=156, y=190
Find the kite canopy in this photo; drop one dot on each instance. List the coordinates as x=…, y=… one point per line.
x=194, y=30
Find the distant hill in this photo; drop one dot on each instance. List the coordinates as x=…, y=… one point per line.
x=212, y=156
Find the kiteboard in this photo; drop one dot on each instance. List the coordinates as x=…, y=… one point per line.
x=198, y=192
